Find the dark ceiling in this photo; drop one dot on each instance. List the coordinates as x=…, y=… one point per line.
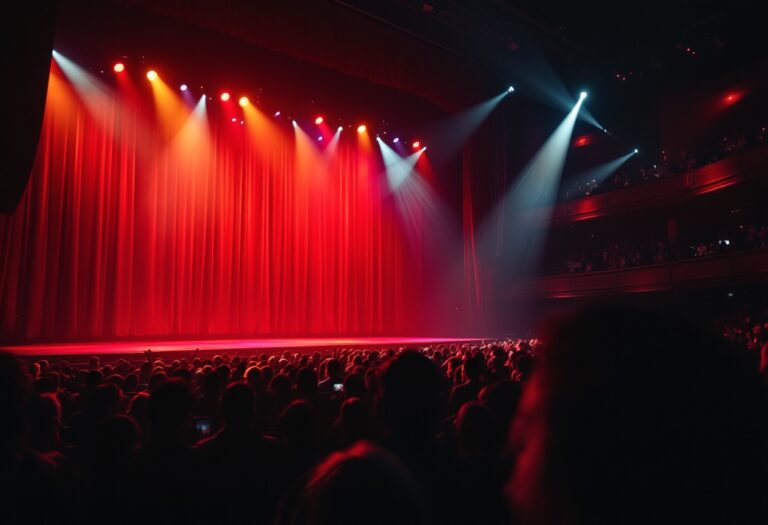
x=628, y=42
x=629, y=54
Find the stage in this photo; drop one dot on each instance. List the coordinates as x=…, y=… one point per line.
x=248, y=346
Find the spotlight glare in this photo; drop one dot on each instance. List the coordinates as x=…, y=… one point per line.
x=637, y=151
x=234, y=119
x=320, y=138
x=583, y=94
x=119, y=67
x=416, y=144
x=224, y=96
x=277, y=113
x=151, y=75
x=319, y=120
x=361, y=128
x=243, y=102
x=396, y=140
x=339, y=129
x=183, y=87
x=511, y=89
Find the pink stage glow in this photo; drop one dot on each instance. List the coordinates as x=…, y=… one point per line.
x=137, y=347
x=151, y=218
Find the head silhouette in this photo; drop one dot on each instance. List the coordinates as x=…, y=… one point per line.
x=253, y=377
x=411, y=395
x=44, y=422
x=15, y=387
x=634, y=416
x=478, y=430
x=169, y=408
x=363, y=484
x=306, y=383
x=353, y=417
x=237, y=406
x=502, y=397
x=334, y=370
x=298, y=423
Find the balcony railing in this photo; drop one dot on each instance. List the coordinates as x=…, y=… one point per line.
x=706, y=179
x=731, y=268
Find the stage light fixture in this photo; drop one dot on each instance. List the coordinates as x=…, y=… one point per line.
x=151, y=75
x=243, y=102
x=637, y=151
x=583, y=94
x=319, y=120
x=511, y=89
x=119, y=67
x=320, y=138
x=339, y=129
x=396, y=140
x=416, y=144
x=277, y=113
x=361, y=128
x=183, y=87
x=234, y=119
x=224, y=96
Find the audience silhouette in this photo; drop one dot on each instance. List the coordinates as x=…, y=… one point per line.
x=616, y=415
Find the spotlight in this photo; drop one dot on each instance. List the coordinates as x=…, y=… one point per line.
x=183, y=87
x=511, y=89
x=234, y=119
x=339, y=129
x=396, y=140
x=243, y=102
x=277, y=113
x=320, y=138
x=361, y=128
x=151, y=75
x=637, y=151
x=119, y=67
x=416, y=144
x=583, y=94
x=224, y=96
x=319, y=120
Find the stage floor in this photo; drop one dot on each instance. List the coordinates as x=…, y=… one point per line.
x=232, y=345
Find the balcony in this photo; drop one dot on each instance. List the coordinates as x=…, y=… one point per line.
x=747, y=164
x=731, y=268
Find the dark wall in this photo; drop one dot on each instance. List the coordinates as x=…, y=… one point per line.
x=701, y=114
x=27, y=42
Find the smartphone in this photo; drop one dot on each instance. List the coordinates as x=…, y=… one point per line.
x=338, y=387
x=203, y=426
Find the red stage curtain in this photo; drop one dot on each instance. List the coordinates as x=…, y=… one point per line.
x=139, y=222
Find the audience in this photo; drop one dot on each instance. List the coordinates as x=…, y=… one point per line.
x=616, y=416
x=667, y=165
x=629, y=254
